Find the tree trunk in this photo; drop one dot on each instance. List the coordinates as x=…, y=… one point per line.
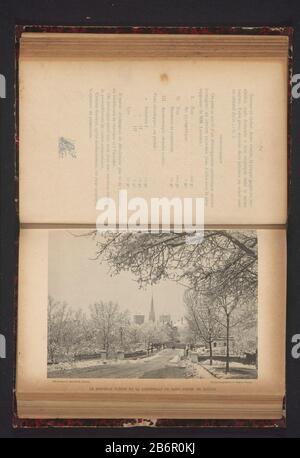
x=210, y=353
x=51, y=355
x=227, y=343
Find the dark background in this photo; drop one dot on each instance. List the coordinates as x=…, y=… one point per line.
x=138, y=13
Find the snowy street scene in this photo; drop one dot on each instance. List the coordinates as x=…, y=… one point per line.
x=151, y=306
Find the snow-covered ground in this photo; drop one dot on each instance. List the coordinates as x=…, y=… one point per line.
x=96, y=363
x=195, y=370
x=218, y=369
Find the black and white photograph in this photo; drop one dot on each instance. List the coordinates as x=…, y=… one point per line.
x=146, y=305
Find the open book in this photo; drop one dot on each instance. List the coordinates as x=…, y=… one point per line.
x=122, y=311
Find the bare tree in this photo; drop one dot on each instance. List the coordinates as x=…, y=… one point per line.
x=234, y=310
x=135, y=335
x=224, y=257
x=201, y=315
x=171, y=332
x=222, y=267
x=110, y=324
x=66, y=330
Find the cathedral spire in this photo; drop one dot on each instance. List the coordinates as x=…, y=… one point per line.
x=152, y=313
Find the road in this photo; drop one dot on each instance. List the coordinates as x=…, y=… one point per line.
x=160, y=365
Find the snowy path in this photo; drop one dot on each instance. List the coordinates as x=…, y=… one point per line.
x=160, y=365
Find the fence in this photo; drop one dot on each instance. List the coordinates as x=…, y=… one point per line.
x=248, y=358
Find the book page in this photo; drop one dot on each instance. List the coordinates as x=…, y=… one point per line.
x=208, y=127
x=113, y=324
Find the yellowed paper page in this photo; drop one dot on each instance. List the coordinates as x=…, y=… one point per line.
x=60, y=263
x=211, y=128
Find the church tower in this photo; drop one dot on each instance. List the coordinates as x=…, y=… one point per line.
x=152, y=313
